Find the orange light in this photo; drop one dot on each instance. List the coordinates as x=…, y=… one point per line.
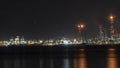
x=82, y=26
x=111, y=17
x=112, y=59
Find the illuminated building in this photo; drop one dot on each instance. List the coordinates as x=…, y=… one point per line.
x=17, y=40
x=6, y=43
x=22, y=40
x=12, y=41
x=40, y=41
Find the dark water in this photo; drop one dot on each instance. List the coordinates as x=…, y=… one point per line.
x=79, y=58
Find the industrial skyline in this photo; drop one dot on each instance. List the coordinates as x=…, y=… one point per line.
x=101, y=38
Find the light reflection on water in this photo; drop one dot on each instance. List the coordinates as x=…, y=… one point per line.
x=66, y=63
x=112, y=58
x=81, y=61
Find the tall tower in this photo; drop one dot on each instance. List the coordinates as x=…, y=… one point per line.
x=101, y=33
x=112, y=30
x=80, y=28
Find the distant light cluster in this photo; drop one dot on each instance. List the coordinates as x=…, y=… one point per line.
x=52, y=42
x=21, y=41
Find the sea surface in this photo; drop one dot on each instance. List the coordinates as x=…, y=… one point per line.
x=60, y=57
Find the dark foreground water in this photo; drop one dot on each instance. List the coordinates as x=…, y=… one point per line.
x=60, y=57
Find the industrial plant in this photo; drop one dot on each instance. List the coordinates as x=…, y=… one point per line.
x=100, y=39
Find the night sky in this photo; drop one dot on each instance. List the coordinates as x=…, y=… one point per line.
x=55, y=18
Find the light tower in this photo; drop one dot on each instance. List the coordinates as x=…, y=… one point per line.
x=80, y=27
x=112, y=30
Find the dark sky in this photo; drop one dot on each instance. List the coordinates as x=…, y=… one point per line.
x=54, y=18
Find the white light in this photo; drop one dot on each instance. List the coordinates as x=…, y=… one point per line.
x=40, y=41
x=6, y=43
x=65, y=42
x=23, y=42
